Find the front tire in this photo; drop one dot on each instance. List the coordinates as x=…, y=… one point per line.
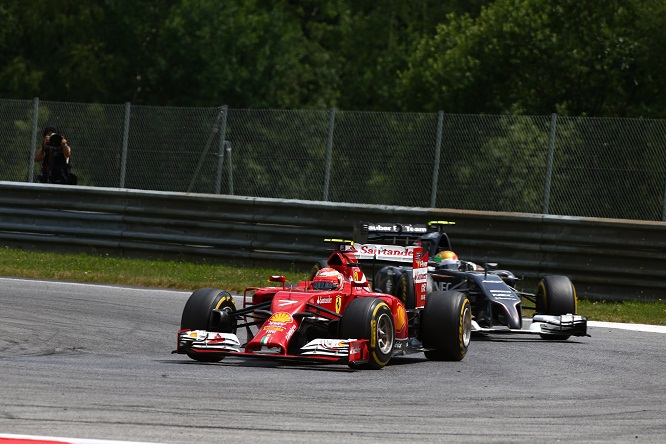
x=199, y=314
x=446, y=327
x=556, y=295
x=370, y=318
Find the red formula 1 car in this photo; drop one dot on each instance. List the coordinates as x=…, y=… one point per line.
x=333, y=318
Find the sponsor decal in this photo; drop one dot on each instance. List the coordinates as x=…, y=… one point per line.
x=384, y=252
x=387, y=228
x=338, y=303
x=225, y=299
x=400, y=318
x=357, y=275
x=505, y=297
x=280, y=318
x=291, y=332
x=441, y=286
x=332, y=344
x=420, y=275
x=396, y=228
x=273, y=329
x=217, y=339
x=324, y=300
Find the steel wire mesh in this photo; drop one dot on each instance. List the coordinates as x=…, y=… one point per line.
x=574, y=166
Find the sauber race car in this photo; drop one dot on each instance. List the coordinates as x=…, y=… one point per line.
x=333, y=318
x=497, y=306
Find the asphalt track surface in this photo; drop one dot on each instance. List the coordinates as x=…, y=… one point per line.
x=93, y=361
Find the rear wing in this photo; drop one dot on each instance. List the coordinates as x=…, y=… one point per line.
x=382, y=241
x=378, y=252
x=413, y=254
x=388, y=233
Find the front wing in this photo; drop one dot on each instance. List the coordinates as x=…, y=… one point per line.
x=563, y=325
x=345, y=351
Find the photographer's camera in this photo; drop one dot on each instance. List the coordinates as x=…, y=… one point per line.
x=55, y=140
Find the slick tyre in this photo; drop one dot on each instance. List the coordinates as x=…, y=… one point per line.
x=370, y=318
x=446, y=327
x=556, y=295
x=316, y=267
x=199, y=314
x=384, y=281
x=405, y=289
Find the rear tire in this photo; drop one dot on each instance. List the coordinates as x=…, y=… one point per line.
x=446, y=327
x=370, y=318
x=318, y=266
x=199, y=314
x=384, y=281
x=556, y=295
x=405, y=289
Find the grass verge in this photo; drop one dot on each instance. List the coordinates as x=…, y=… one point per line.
x=233, y=277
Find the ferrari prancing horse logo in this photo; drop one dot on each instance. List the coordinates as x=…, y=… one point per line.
x=338, y=303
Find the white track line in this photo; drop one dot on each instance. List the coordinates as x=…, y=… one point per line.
x=634, y=327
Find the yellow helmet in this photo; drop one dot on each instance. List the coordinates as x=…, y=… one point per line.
x=448, y=259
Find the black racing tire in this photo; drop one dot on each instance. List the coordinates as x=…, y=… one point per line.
x=405, y=289
x=370, y=318
x=199, y=314
x=446, y=327
x=556, y=295
x=318, y=266
x=385, y=281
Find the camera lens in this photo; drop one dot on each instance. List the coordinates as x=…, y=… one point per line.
x=55, y=139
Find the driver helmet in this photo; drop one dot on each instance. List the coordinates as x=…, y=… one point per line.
x=448, y=260
x=330, y=279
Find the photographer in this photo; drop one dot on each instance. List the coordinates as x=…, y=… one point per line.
x=54, y=153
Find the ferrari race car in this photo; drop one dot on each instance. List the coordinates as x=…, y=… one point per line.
x=332, y=318
x=497, y=306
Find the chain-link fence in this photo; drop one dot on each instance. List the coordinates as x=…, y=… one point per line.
x=574, y=166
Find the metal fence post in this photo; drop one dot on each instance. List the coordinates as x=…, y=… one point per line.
x=230, y=173
x=35, y=121
x=216, y=127
x=220, y=151
x=123, y=157
x=549, y=165
x=329, y=153
x=438, y=149
x=663, y=207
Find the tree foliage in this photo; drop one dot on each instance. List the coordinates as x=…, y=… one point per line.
x=462, y=56
x=536, y=57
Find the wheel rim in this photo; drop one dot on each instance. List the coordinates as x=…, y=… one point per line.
x=467, y=325
x=385, y=334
